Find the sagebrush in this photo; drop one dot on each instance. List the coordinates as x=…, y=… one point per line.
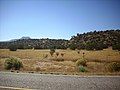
x=13, y=63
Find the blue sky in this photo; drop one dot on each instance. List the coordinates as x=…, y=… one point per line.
x=56, y=18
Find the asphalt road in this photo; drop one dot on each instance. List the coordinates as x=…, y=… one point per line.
x=58, y=82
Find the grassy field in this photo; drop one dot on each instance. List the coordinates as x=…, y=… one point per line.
x=42, y=61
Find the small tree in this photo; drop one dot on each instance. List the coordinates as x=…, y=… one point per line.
x=52, y=51
x=62, y=54
x=57, y=53
x=83, y=55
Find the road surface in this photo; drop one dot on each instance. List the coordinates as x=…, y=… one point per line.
x=58, y=82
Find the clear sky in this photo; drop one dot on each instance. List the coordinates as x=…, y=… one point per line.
x=56, y=18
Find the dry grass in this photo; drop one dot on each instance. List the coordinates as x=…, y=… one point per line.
x=23, y=54
x=69, y=55
x=36, y=60
x=1, y=64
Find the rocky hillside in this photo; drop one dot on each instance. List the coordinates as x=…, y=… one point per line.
x=96, y=40
x=29, y=43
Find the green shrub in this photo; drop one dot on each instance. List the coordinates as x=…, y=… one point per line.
x=82, y=69
x=90, y=46
x=13, y=63
x=72, y=46
x=81, y=62
x=114, y=66
x=116, y=47
x=8, y=64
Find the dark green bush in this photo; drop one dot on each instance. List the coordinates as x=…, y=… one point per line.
x=13, y=63
x=114, y=66
x=116, y=47
x=72, y=46
x=90, y=46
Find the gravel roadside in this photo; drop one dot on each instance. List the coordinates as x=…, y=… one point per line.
x=59, y=82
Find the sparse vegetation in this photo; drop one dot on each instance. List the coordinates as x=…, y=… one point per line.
x=114, y=66
x=58, y=59
x=45, y=56
x=81, y=62
x=32, y=59
x=100, y=48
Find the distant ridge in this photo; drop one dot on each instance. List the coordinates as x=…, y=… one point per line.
x=25, y=38
x=18, y=39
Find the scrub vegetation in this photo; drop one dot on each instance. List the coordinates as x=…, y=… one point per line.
x=105, y=61
x=95, y=52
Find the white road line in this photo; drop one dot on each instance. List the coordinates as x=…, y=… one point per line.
x=15, y=88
